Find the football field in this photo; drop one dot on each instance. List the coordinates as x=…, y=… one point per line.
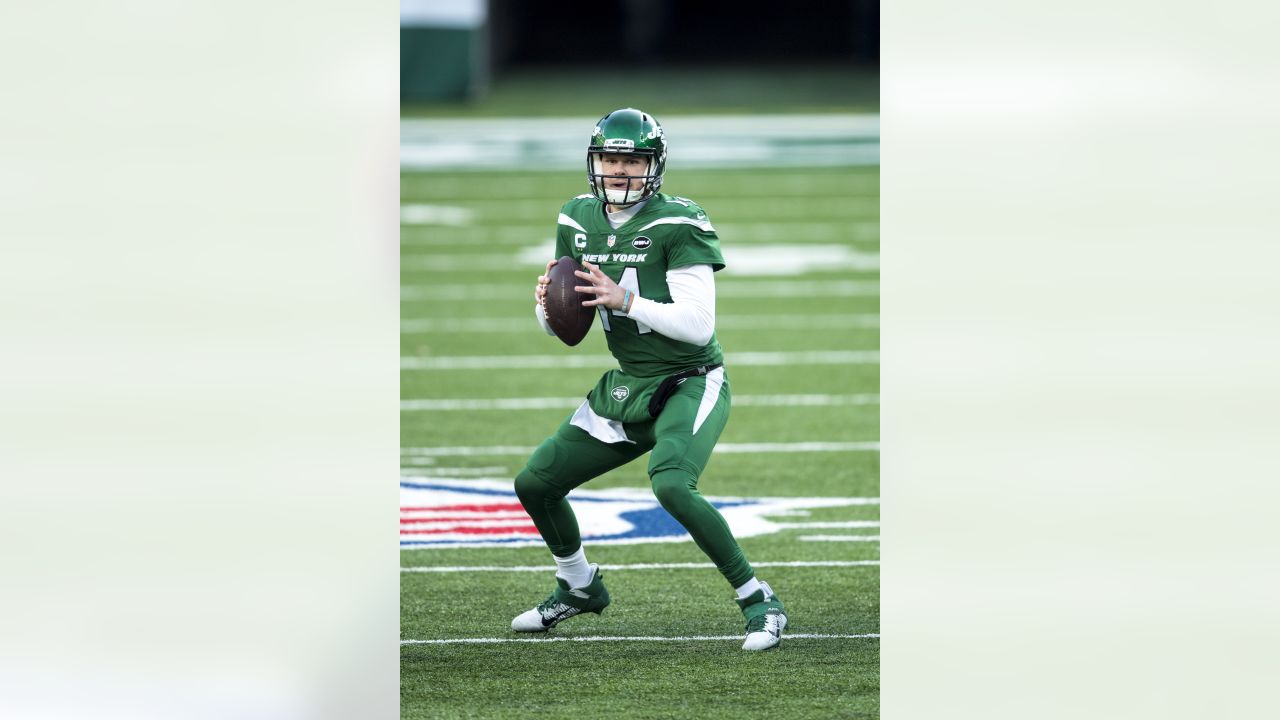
x=796, y=472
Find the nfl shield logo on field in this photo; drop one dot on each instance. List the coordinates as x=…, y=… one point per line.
x=612, y=239
x=485, y=512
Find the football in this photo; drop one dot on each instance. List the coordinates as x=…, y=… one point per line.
x=565, y=314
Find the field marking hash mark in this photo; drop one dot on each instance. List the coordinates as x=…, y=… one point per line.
x=548, y=403
x=633, y=566
x=840, y=538
x=725, y=448
x=626, y=638
x=530, y=362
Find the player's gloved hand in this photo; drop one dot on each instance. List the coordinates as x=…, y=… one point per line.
x=540, y=291
x=607, y=292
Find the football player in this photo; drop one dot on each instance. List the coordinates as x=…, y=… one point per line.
x=649, y=261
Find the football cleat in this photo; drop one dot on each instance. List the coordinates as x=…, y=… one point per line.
x=766, y=619
x=563, y=603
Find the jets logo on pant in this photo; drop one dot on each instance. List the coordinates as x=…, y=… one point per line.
x=440, y=513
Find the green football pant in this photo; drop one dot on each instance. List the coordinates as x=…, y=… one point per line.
x=571, y=457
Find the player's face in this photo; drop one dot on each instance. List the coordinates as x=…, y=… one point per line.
x=623, y=166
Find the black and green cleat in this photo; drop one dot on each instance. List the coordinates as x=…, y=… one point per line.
x=563, y=603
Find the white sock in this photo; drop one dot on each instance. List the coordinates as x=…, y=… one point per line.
x=573, y=569
x=748, y=588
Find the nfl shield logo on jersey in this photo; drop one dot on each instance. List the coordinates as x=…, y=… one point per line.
x=612, y=239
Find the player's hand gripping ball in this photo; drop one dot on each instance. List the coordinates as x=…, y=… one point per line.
x=565, y=314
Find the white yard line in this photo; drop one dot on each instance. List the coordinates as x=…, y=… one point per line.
x=831, y=525
x=727, y=288
x=797, y=447
x=843, y=230
x=626, y=638
x=792, y=259
x=841, y=538
x=807, y=400
x=545, y=403
x=726, y=448
x=466, y=291
x=422, y=214
x=723, y=322
x=457, y=451
x=532, y=362
x=468, y=325
x=798, y=322
x=633, y=566
x=798, y=288
x=454, y=472
x=462, y=261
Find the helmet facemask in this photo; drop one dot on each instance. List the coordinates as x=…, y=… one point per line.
x=650, y=181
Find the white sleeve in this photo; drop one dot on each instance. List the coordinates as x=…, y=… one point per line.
x=691, y=315
x=541, y=313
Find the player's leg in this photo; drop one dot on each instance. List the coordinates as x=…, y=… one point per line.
x=561, y=463
x=685, y=434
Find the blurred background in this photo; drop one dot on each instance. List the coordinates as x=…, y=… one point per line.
x=507, y=57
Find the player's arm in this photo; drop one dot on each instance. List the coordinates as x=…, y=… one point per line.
x=563, y=243
x=689, y=317
x=540, y=298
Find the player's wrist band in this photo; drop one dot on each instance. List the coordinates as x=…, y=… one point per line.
x=626, y=300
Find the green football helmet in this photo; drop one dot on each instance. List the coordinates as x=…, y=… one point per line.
x=631, y=132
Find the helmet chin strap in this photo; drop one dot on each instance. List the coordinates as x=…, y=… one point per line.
x=624, y=197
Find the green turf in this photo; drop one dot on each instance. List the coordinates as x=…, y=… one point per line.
x=804, y=678
x=671, y=91
x=818, y=678
x=701, y=185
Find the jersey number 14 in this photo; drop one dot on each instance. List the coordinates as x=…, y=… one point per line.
x=630, y=281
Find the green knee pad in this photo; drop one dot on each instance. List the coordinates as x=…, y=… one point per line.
x=533, y=490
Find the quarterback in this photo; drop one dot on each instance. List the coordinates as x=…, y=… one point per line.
x=649, y=262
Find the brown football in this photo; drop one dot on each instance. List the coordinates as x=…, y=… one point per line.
x=565, y=314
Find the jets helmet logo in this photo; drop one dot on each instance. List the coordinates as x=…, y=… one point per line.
x=620, y=393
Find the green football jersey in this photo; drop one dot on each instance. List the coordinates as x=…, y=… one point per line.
x=669, y=232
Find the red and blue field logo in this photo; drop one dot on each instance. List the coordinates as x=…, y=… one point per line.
x=446, y=513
